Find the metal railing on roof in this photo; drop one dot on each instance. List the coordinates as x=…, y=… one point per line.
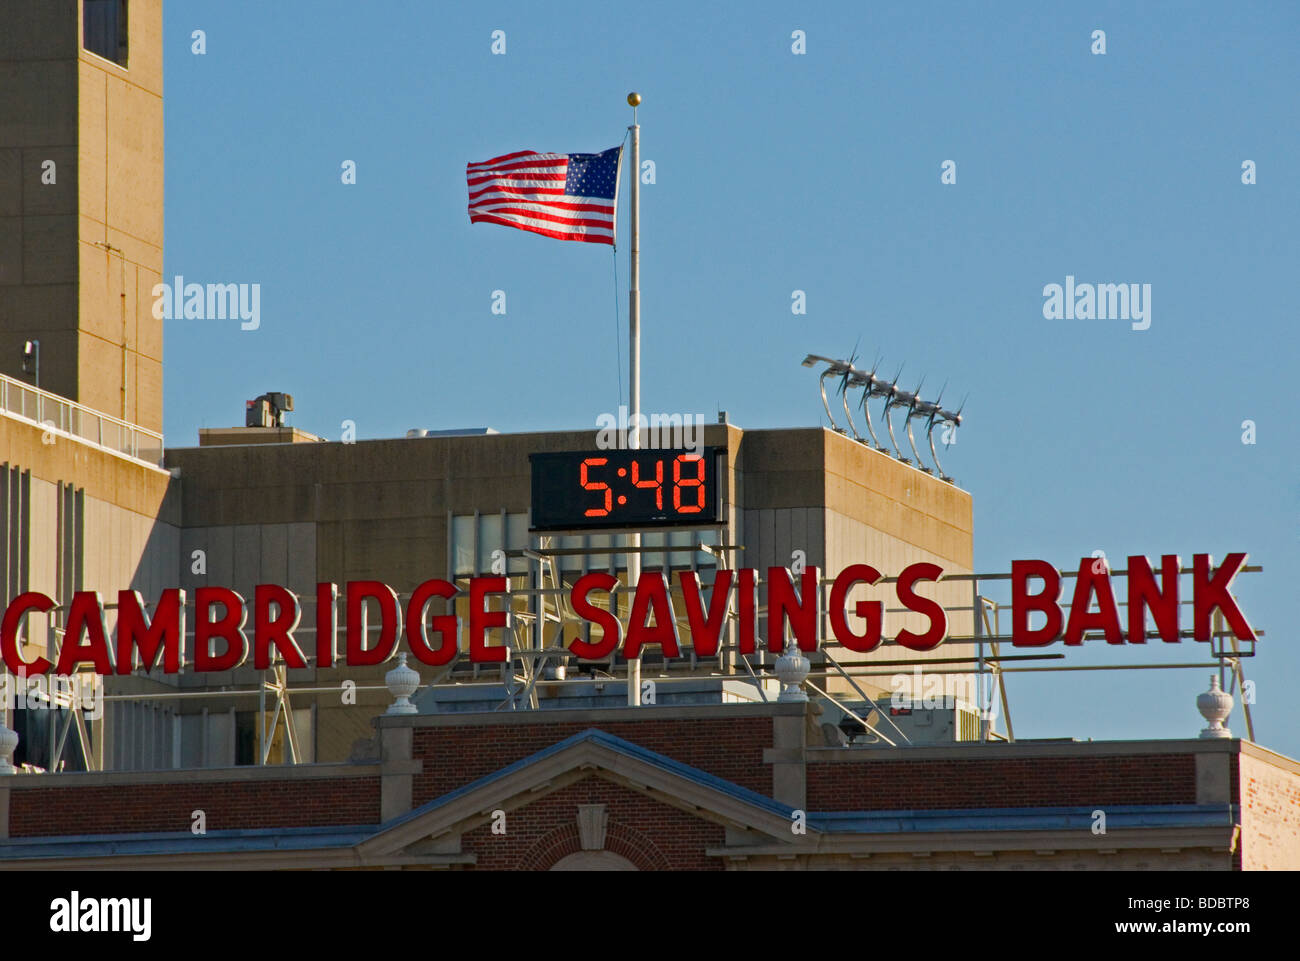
x=66, y=417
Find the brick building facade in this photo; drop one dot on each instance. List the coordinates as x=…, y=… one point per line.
x=725, y=787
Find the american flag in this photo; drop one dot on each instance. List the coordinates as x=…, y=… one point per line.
x=567, y=196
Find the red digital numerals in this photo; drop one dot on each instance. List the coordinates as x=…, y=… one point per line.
x=688, y=484
x=592, y=485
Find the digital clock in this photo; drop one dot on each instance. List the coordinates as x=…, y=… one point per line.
x=575, y=490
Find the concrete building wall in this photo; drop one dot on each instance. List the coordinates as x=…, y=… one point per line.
x=38, y=221
x=842, y=503
x=76, y=517
x=81, y=518
x=120, y=224
x=298, y=514
x=79, y=256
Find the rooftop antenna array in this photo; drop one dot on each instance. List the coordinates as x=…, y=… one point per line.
x=875, y=387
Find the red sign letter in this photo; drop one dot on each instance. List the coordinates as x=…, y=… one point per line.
x=480, y=619
x=165, y=632
x=85, y=616
x=1162, y=602
x=327, y=623
x=278, y=631
x=871, y=611
x=444, y=624
x=1022, y=602
x=358, y=631
x=651, y=594
x=1107, y=615
x=608, y=623
x=14, y=613
x=705, y=632
x=747, y=601
x=1211, y=592
x=230, y=628
x=938, y=629
x=801, y=609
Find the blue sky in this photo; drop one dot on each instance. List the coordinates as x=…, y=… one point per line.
x=778, y=172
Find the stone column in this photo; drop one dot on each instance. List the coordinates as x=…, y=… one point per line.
x=397, y=767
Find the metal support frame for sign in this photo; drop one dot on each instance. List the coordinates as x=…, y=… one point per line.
x=279, y=686
x=548, y=600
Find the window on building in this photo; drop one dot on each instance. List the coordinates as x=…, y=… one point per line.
x=104, y=29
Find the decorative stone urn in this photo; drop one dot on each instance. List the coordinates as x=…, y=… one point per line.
x=1215, y=705
x=8, y=743
x=402, y=682
x=791, y=670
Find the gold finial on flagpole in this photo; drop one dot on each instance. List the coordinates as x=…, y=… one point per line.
x=634, y=99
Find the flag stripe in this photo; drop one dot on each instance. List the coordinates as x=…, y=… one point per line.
x=591, y=238
x=489, y=203
x=566, y=196
x=517, y=178
x=512, y=156
x=560, y=162
x=519, y=191
x=551, y=218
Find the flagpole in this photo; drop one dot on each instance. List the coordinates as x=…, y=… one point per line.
x=634, y=375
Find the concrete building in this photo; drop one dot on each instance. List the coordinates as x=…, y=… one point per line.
x=713, y=774
x=81, y=201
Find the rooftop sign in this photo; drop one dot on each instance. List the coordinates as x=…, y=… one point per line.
x=222, y=641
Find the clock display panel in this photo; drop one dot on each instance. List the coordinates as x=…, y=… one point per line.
x=576, y=490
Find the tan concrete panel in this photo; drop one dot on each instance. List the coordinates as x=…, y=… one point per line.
x=219, y=545
x=100, y=306
x=92, y=145
x=145, y=252
x=11, y=184
x=135, y=165
x=901, y=519
x=111, y=479
x=145, y=41
x=100, y=363
x=147, y=395
x=246, y=570
x=11, y=251
x=44, y=199
x=38, y=103
x=58, y=356
x=329, y=550
x=781, y=450
x=378, y=499
x=39, y=30
x=38, y=308
x=489, y=494
x=301, y=557
x=50, y=250
x=43, y=546
x=784, y=489
x=148, y=330
x=400, y=552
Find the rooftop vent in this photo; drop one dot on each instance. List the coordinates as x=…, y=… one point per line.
x=267, y=410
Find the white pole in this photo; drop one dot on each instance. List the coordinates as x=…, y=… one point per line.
x=634, y=374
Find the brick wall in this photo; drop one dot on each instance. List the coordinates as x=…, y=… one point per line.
x=650, y=834
x=729, y=748
x=881, y=785
x=1270, y=816
x=128, y=808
